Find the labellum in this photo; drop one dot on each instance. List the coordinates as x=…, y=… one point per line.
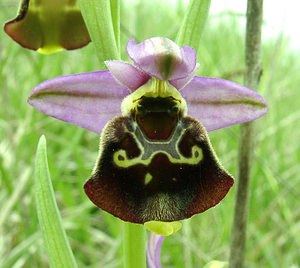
x=155, y=162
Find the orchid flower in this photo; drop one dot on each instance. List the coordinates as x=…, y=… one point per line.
x=155, y=161
x=48, y=26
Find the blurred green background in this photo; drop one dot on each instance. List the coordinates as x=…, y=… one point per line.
x=274, y=216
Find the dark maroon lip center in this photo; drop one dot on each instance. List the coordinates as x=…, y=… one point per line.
x=157, y=117
x=157, y=126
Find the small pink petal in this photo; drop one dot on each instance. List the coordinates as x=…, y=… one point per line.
x=127, y=74
x=182, y=82
x=188, y=64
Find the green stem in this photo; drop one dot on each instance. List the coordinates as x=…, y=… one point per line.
x=246, y=149
x=134, y=246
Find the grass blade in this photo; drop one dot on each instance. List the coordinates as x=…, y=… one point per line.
x=193, y=24
x=58, y=249
x=98, y=18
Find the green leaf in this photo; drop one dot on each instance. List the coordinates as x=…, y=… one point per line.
x=115, y=16
x=193, y=24
x=58, y=249
x=102, y=27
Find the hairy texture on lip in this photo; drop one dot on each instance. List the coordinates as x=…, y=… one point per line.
x=163, y=188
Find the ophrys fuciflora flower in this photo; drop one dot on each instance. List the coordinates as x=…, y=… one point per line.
x=155, y=160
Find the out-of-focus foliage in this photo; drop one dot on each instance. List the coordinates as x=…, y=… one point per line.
x=274, y=212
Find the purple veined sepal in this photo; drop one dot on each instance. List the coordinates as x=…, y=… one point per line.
x=220, y=103
x=88, y=100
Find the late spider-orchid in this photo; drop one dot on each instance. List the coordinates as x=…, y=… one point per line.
x=155, y=161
